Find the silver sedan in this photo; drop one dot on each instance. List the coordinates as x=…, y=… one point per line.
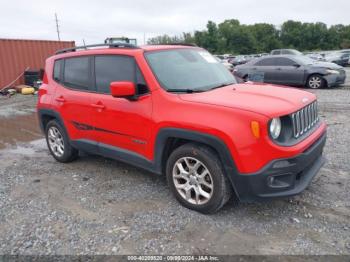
x=292, y=70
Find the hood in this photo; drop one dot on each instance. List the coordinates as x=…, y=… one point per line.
x=269, y=100
x=327, y=65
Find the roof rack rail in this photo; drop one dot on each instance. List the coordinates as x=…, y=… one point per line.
x=86, y=47
x=177, y=43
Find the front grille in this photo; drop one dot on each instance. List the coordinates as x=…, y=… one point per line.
x=304, y=119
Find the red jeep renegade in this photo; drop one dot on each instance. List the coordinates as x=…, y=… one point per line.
x=175, y=110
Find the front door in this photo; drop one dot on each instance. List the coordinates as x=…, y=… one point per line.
x=120, y=123
x=287, y=72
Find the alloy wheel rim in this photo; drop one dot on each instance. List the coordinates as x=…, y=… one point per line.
x=193, y=180
x=315, y=82
x=56, y=142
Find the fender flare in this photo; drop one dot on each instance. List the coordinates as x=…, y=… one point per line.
x=49, y=112
x=214, y=142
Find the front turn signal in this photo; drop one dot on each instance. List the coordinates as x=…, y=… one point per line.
x=254, y=125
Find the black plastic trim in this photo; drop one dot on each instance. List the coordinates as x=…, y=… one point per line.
x=193, y=136
x=301, y=168
x=113, y=152
x=49, y=112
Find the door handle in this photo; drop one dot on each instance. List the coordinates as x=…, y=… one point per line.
x=98, y=106
x=279, y=69
x=60, y=99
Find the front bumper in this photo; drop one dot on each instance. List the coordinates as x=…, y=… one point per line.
x=282, y=177
x=335, y=80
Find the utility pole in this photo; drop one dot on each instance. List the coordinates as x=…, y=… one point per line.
x=57, y=28
x=144, y=38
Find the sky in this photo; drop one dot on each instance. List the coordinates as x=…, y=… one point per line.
x=94, y=20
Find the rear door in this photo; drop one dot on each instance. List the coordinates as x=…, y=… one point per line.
x=120, y=122
x=72, y=98
x=266, y=66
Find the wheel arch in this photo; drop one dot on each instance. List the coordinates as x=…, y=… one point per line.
x=169, y=139
x=46, y=115
x=318, y=74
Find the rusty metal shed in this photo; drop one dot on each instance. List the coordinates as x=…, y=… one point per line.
x=18, y=54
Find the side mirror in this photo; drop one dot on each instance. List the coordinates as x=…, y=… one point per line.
x=123, y=89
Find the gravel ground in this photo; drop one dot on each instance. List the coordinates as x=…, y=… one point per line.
x=99, y=206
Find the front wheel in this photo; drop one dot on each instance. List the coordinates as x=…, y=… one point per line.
x=196, y=178
x=316, y=82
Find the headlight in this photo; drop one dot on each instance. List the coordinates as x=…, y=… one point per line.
x=275, y=127
x=330, y=71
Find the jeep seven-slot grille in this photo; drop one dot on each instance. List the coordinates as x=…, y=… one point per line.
x=304, y=119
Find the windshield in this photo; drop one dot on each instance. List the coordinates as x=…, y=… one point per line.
x=188, y=70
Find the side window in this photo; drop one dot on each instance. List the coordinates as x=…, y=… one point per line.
x=77, y=72
x=281, y=61
x=117, y=68
x=57, y=70
x=265, y=62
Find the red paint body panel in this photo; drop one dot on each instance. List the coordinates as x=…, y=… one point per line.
x=122, y=89
x=225, y=113
x=126, y=120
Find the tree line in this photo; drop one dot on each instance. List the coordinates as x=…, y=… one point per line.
x=232, y=37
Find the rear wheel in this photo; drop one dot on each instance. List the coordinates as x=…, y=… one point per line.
x=195, y=176
x=316, y=82
x=58, y=143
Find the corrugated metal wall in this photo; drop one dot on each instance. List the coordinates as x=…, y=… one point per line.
x=17, y=54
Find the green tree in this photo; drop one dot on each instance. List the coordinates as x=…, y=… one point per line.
x=266, y=37
x=290, y=34
x=232, y=37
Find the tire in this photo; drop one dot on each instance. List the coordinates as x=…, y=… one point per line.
x=201, y=173
x=58, y=143
x=316, y=82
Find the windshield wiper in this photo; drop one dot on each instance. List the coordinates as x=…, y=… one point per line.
x=222, y=85
x=175, y=90
x=188, y=91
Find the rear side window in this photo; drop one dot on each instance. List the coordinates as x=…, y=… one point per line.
x=77, y=73
x=117, y=68
x=57, y=74
x=266, y=62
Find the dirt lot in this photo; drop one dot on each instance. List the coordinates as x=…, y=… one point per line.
x=100, y=206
